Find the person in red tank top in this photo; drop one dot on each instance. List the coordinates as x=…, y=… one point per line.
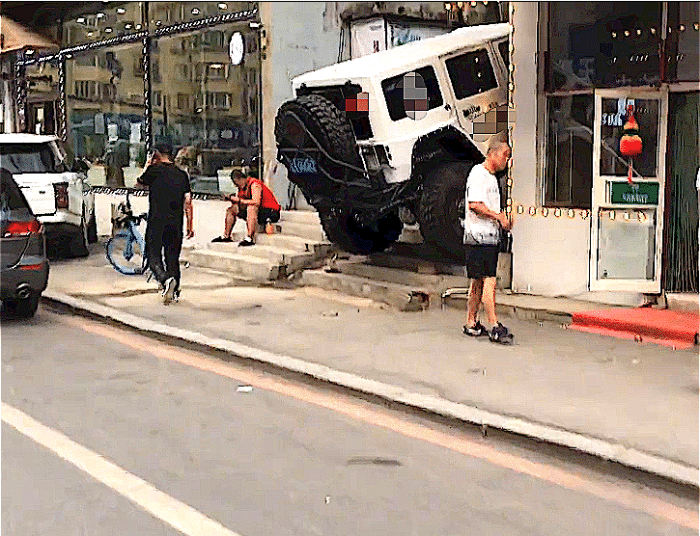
x=255, y=203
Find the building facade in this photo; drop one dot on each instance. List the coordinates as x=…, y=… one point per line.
x=591, y=222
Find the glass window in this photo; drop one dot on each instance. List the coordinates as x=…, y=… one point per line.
x=504, y=50
x=211, y=118
x=166, y=13
x=42, y=98
x=614, y=115
x=471, y=73
x=102, y=21
x=569, y=166
x=20, y=158
x=105, y=109
x=683, y=42
x=397, y=99
x=603, y=44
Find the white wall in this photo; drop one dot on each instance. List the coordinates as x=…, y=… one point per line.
x=550, y=255
x=301, y=37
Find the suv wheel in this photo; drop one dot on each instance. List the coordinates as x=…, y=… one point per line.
x=442, y=209
x=79, y=243
x=22, y=308
x=333, y=132
x=343, y=228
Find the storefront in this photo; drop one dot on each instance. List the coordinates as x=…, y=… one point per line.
x=131, y=74
x=594, y=220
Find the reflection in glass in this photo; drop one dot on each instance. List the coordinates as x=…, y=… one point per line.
x=603, y=44
x=569, y=169
x=684, y=42
x=105, y=107
x=206, y=106
x=102, y=21
x=42, y=98
x=614, y=115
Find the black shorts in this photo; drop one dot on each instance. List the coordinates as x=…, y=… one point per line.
x=481, y=260
x=264, y=214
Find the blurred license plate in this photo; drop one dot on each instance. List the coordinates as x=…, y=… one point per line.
x=303, y=166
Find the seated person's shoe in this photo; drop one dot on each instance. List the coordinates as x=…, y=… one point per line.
x=222, y=239
x=246, y=242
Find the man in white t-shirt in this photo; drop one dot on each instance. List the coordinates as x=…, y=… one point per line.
x=482, y=230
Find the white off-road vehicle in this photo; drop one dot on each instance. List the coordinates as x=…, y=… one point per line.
x=389, y=138
x=60, y=196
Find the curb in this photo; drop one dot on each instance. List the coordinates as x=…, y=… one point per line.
x=614, y=452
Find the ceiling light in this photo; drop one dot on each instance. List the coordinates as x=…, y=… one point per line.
x=90, y=34
x=100, y=15
x=29, y=52
x=138, y=26
x=223, y=6
x=108, y=30
x=159, y=22
x=195, y=11
x=127, y=26
x=121, y=10
x=80, y=20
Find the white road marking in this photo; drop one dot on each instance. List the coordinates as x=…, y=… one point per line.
x=169, y=510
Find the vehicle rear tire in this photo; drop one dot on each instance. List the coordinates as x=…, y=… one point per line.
x=332, y=130
x=343, y=229
x=22, y=308
x=442, y=208
x=92, y=229
x=79, y=244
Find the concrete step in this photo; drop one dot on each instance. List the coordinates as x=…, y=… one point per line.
x=247, y=266
x=402, y=297
x=304, y=230
x=297, y=243
x=436, y=284
x=292, y=260
x=308, y=217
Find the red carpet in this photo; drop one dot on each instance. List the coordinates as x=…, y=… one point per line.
x=660, y=326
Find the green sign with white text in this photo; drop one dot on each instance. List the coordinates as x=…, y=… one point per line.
x=638, y=193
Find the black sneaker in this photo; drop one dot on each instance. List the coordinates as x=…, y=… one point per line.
x=500, y=334
x=222, y=239
x=477, y=330
x=246, y=242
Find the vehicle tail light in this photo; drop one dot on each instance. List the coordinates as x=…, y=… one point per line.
x=22, y=228
x=60, y=190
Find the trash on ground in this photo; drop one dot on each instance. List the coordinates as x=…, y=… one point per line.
x=245, y=389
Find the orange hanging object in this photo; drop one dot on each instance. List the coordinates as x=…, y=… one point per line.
x=630, y=143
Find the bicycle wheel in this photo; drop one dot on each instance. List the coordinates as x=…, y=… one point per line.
x=126, y=255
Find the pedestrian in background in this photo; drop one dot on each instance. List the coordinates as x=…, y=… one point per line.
x=169, y=196
x=482, y=232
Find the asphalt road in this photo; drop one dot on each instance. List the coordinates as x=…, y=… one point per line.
x=108, y=432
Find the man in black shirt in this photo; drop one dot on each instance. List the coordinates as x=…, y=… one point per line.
x=168, y=197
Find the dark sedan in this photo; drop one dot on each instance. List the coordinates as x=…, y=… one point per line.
x=25, y=268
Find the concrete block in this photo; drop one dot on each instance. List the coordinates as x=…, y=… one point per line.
x=248, y=267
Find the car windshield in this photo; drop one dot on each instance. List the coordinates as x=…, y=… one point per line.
x=20, y=158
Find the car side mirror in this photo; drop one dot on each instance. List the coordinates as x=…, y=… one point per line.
x=80, y=166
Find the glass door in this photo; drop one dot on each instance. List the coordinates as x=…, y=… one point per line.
x=627, y=213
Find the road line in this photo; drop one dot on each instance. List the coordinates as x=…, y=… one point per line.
x=175, y=513
x=609, y=492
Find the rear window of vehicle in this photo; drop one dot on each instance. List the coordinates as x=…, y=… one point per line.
x=471, y=73
x=20, y=158
x=11, y=197
x=393, y=89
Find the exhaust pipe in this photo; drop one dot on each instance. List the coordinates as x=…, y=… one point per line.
x=24, y=291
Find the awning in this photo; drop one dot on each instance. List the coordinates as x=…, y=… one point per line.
x=14, y=36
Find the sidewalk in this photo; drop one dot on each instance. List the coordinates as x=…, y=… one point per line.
x=633, y=403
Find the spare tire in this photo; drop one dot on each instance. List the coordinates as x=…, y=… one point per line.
x=442, y=207
x=343, y=228
x=298, y=151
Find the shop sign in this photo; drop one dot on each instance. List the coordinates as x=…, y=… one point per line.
x=638, y=193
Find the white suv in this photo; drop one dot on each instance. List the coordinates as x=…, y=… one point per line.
x=61, y=198
x=389, y=138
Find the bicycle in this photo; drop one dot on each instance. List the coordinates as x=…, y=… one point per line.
x=126, y=250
